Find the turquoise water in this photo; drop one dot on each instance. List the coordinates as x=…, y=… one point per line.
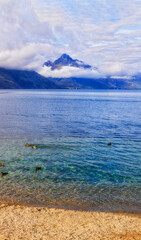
x=71, y=130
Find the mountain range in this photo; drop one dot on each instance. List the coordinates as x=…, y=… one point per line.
x=23, y=79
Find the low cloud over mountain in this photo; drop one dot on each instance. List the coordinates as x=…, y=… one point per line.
x=66, y=73
x=65, y=67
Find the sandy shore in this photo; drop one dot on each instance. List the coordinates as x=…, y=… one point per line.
x=22, y=222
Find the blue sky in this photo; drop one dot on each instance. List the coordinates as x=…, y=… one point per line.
x=103, y=33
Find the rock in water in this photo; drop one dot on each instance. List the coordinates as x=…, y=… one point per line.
x=38, y=168
x=109, y=144
x=2, y=164
x=28, y=145
x=4, y=173
x=33, y=146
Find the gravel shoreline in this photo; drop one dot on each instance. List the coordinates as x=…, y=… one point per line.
x=40, y=223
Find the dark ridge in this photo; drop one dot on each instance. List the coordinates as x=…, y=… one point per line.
x=23, y=79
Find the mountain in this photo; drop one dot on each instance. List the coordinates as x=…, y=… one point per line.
x=23, y=79
x=99, y=83
x=89, y=83
x=66, y=60
x=20, y=79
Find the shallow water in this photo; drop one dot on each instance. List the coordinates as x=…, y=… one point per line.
x=71, y=130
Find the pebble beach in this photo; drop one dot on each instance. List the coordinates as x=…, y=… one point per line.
x=40, y=223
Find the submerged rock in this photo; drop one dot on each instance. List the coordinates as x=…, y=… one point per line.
x=4, y=173
x=109, y=144
x=28, y=145
x=34, y=146
x=38, y=168
x=2, y=164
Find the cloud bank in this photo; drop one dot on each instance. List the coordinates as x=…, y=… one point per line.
x=67, y=72
x=105, y=34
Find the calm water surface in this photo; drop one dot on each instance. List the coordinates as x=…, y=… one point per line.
x=71, y=130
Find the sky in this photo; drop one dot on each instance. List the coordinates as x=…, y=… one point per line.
x=103, y=33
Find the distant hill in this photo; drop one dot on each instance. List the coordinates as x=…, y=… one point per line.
x=66, y=60
x=16, y=79
x=23, y=79
x=20, y=79
x=100, y=83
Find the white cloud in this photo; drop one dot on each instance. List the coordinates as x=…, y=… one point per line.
x=67, y=72
x=105, y=34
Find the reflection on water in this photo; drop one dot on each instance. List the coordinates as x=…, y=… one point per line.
x=71, y=130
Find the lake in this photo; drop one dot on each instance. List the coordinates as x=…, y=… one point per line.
x=71, y=130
